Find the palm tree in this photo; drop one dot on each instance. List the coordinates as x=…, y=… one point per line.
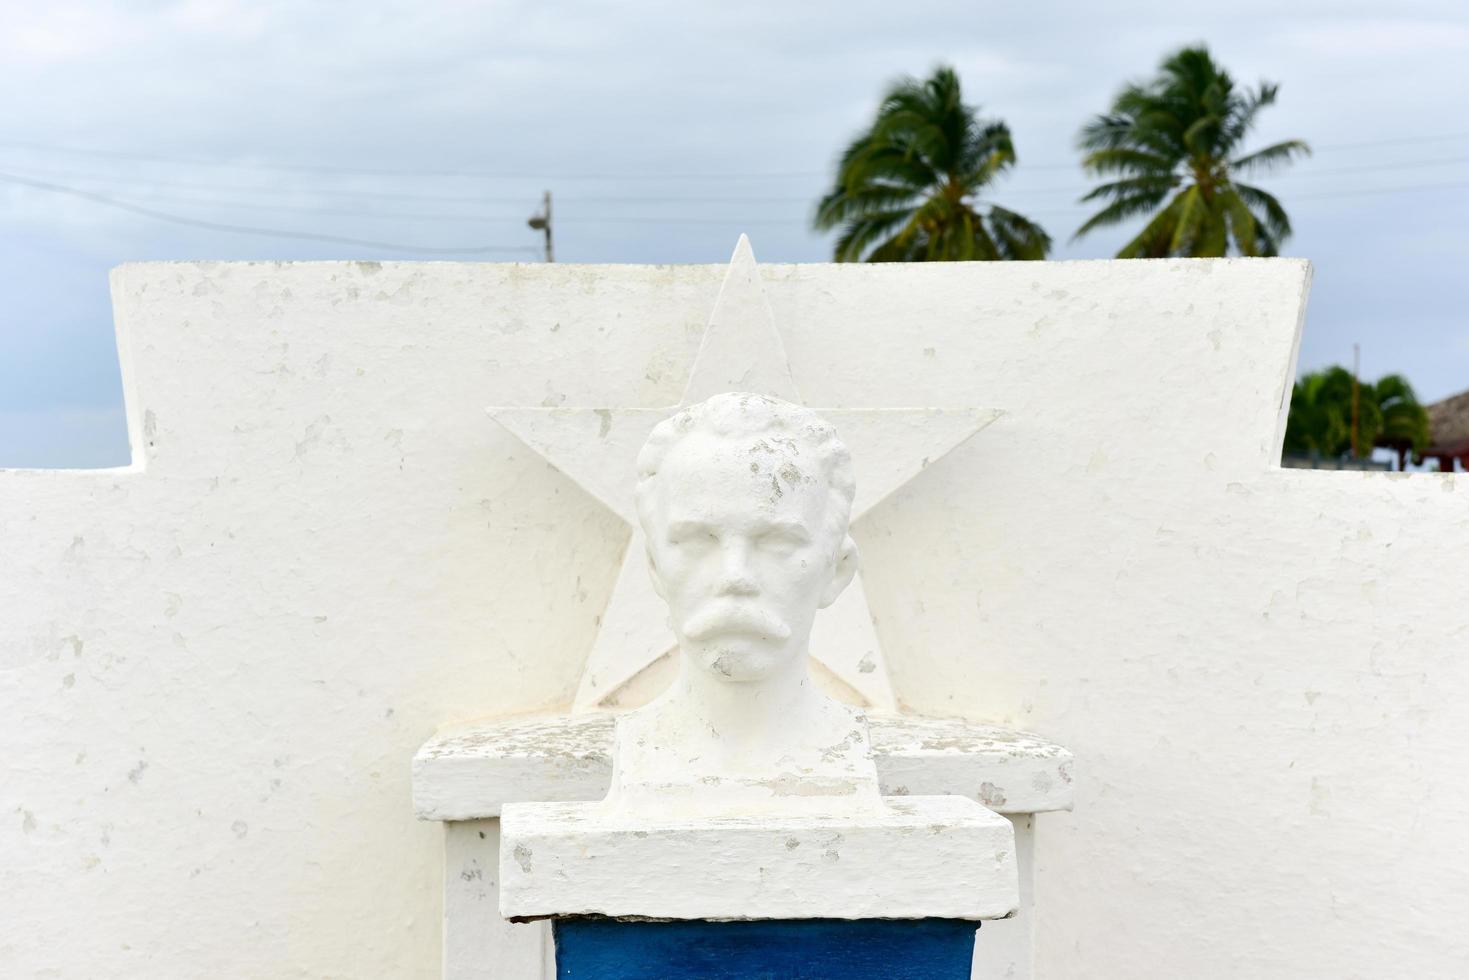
x=1320, y=419
x=1404, y=423
x=907, y=189
x=1388, y=415
x=1177, y=139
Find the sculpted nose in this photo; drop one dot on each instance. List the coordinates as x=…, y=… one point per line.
x=735, y=574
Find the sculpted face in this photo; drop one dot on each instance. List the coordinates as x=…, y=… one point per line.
x=746, y=542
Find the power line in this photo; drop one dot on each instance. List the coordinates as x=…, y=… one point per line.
x=1368, y=168
x=458, y=216
x=1326, y=195
x=1078, y=208
x=1361, y=192
x=391, y=172
x=733, y=220
x=150, y=181
x=251, y=230
x=311, y=236
x=1396, y=141
x=93, y=177
x=503, y=175
x=741, y=221
x=1315, y=148
x=1306, y=172
x=214, y=202
x=607, y=199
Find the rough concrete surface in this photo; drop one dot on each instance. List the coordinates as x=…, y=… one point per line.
x=216, y=665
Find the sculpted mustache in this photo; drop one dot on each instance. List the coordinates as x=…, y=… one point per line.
x=728, y=619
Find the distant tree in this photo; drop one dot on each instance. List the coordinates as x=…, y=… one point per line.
x=908, y=188
x=1389, y=415
x=1172, y=146
x=1404, y=420
x=1320, y=419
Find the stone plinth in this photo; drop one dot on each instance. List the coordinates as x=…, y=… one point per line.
x=471, y=771
x=920, y=857
x=466, y=774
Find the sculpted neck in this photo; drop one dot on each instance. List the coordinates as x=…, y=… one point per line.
x=750, y=713
x=777, y=744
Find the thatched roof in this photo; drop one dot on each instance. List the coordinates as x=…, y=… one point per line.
x=1448, y=425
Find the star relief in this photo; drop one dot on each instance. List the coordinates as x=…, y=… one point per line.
x=634, y=653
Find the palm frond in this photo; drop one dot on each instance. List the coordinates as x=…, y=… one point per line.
x=1191, y=211
x=989, y=154
x=1276, y=222
x=1275, y=155
x=1152, y=242
x=1201, y=135
x=1404, y=419
x=861, y=235
x=1109, y=131
x=1319, y=415
x=903, y=187
x=1182, y=126
x=1117, y=212
x=1127, y=160
x=842, y=206
x=1156, y=186
x=1016, y=236
x=1242, y=224
x=1242, y=113
x=892, y=164
x=1211, y=241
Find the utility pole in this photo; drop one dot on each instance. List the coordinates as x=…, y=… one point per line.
x=1356, y=387
x=542, y=222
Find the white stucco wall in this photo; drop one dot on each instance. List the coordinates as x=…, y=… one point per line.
x=216, y=666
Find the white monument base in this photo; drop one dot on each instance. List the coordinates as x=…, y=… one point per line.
x=465, y=775
x=471, y=771
x=934, y=857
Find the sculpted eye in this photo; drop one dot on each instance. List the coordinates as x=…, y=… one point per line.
x=692, y=539
x=780, y=542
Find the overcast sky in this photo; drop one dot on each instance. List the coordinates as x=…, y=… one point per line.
x=664, y=130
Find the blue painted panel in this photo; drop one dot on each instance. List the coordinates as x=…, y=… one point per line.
x=801, y=949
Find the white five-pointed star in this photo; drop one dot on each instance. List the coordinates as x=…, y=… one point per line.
x=741, y=351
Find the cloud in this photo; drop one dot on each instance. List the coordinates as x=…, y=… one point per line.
x=650, y=96
x=61, y=34
x=1378, y=38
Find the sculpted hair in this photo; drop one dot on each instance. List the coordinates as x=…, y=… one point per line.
x=788, y=430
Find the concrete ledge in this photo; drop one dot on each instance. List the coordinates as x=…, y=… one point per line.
x=471, y=772
x=934, y=857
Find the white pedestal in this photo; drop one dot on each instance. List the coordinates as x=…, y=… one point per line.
x=917, y=857
x=464, y=776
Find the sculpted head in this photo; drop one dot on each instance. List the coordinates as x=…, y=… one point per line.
x=745, y=501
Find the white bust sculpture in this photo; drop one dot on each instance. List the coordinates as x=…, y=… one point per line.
x=744, y=792
x=745, y=501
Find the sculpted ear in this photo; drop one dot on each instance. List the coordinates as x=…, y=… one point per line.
x=842, y=572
